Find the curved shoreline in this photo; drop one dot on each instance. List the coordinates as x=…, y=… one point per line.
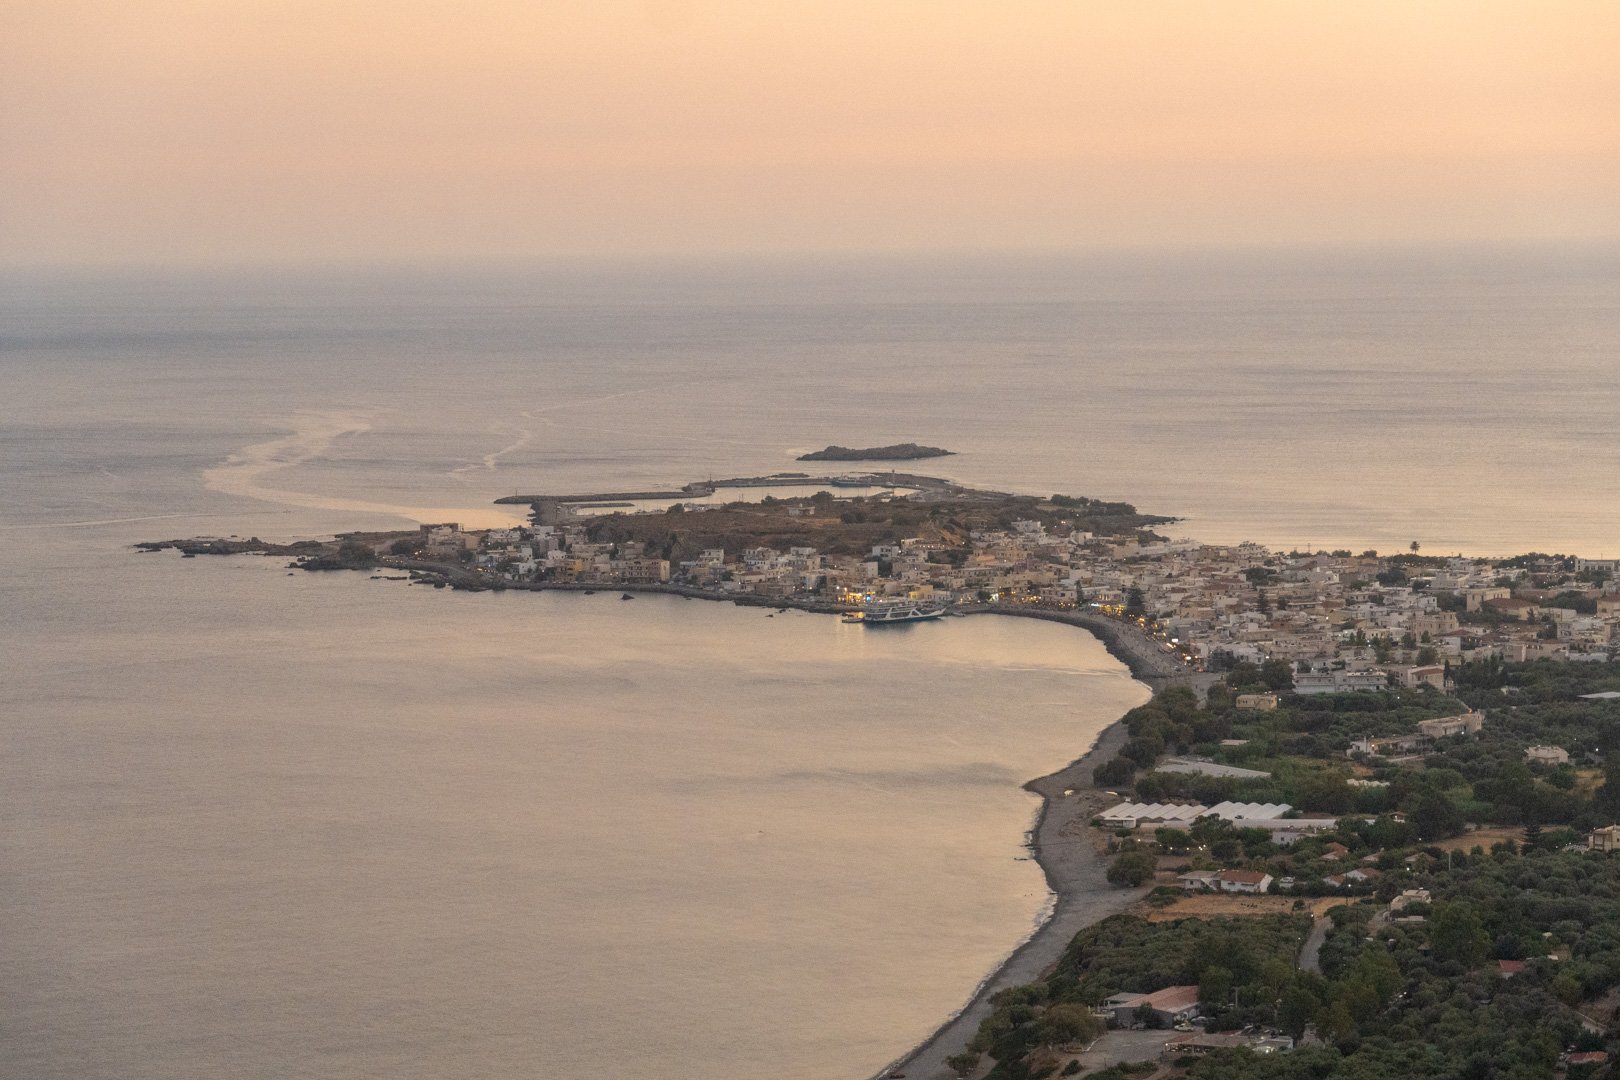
x=1059, y=841
x=1075, y=873
x=1081, y=896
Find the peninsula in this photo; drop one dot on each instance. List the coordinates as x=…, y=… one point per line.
x=1359, y=771
x=898, y=452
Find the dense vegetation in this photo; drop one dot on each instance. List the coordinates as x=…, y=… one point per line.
x=1417, y=990
x=853, y=526
x=1246, y=960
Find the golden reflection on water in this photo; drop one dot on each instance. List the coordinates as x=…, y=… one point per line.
x=340, y=822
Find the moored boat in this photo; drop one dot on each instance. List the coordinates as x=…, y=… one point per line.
x=889, y=612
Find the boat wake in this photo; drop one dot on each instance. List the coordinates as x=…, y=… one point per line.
x=491, y=460
x=244, y=474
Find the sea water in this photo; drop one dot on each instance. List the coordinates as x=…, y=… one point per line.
x=261, y=824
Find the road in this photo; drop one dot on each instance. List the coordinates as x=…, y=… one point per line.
x=1310, y=957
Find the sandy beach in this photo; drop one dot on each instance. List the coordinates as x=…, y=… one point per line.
x=1075, y=872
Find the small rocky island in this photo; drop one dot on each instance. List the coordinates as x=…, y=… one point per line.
x=898, y=452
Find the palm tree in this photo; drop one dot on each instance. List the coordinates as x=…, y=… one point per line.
x=1414, y=547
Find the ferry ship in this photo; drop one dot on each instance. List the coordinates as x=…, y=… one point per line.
x=887, y=612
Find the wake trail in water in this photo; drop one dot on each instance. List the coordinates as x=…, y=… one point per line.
x=99, y=521
x=490, y=461
x=245, y=471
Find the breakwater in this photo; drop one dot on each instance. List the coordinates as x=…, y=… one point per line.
x=704, y=488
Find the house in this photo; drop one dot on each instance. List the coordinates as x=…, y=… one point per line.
x=1524, y=610
x=1257, y=702
x=1334, y=851
x=1446, y=726
x=1433, y=623
x=1547, y=755
x=1474, y=599
x=1169, y=1006
x=446, y=539
x=1243, y=881
x=1605, y=839
x=1509, y=968
x=1397, y=744
x=1284, y=831
x=1433, y=675
x=1441, y=727
x=1588, y=1057
x=1407, y=897
x=1361, y=875
x=1197, y=881
x=1338, y=682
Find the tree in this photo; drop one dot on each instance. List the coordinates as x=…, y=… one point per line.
x=962, y=1064
x=1295, y=1010
x=1115, y=772
x=356, y=554
x=1415, y=546
x=1132, y=868
x=1135, y=604
x=1068, y=1023
x=1456, y=934
x=1326, y=793
x=1435, y=818
x=1606, y=799
x=1215, y=988
x=1277, y=674
x=1144, y=749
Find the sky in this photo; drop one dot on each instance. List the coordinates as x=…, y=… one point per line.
x=242, y=131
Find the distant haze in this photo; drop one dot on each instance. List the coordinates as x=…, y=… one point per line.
x=250, y=130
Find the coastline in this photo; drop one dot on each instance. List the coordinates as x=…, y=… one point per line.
x=1075, y=873
x=1058, y=841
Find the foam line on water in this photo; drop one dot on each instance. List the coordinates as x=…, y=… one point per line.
x=313, y=434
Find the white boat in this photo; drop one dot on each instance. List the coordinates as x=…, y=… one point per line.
x=886, y=612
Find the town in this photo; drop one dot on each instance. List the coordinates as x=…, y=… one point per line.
x=1368, y=815
x=1341, y=621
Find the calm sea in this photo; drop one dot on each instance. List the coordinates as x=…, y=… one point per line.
x=263, y=825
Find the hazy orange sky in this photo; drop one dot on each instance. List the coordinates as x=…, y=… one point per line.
x=250, y=130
